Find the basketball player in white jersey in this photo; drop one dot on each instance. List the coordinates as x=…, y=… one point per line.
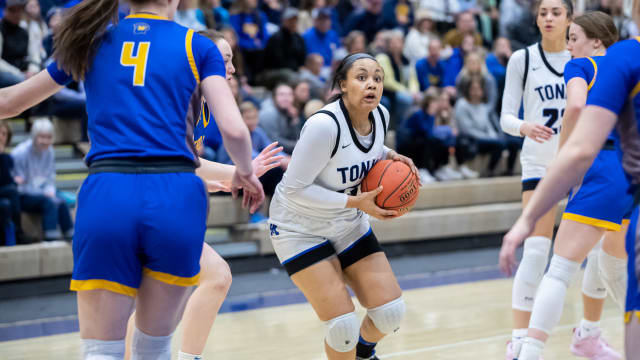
x=319, y=224
x=535, y=77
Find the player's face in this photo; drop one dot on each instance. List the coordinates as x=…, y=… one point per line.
x=250, y=118
x=284, y=97
x=363, y=85
x=579, y=45
x=552, y=19
x=227, y=55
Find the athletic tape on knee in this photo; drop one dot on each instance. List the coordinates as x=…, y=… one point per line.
x=530, y=272
x=387, y=318
x=613, y=272
x=342, y=332
x=551, y=294
x=147, y=347
x=592, y=283
x=103, y=350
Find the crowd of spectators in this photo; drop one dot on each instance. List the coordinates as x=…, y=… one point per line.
x=444, y=64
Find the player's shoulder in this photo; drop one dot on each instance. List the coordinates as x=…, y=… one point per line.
x=577, y=65
x=518, y=57
x=325, y=119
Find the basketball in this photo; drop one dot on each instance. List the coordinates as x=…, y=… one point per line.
x=400, y=186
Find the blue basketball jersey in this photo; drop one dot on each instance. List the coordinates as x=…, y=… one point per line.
x=206, y=131
x=139, y=87
x=587, y=69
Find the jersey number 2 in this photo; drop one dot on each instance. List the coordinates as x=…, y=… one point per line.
x=553, y=115
x=138, y=62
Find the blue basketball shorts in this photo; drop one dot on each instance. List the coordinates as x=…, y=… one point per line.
x=128, y=225
x=633, y=269
x=603, y=199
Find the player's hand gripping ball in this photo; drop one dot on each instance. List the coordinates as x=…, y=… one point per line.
x=400, y=185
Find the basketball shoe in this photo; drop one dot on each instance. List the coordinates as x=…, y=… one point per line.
x=593, y=347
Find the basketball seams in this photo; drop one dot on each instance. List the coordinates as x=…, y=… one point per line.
x=397, y=187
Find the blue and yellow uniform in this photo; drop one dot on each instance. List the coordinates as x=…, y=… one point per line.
x=142, y=209
x=603, y=198
x=618, y=85
x=206, y=131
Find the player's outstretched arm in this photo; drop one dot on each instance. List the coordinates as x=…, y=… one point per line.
x=17, y=98
x=573, y=161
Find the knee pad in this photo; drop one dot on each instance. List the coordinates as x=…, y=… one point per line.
x=387, y=317
x=147, y=347
x=102, y=350
x=592, y=284
x=613, y=272
x=342, y=332
x=530, y=272
x=563, y=269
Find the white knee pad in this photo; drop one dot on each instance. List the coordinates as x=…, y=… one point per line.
x=592, y=284
x=103, y=350
x=147, y=347
x=387, y=317
x=342, y=332
x=530, y=272
x=551, y=294
x=613, y=272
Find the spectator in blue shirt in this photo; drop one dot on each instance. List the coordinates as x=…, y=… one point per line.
x=369, y=19
x=497, y=65
x=398, y=13
x=321, y=39
x=456, y=62
x=250, y=25
x=430, y=70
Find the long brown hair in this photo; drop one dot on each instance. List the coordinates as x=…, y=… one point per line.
x=598, y=25
x=80, y=33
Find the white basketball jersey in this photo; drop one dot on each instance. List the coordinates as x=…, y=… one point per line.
x=544, y=98
x=354, y=156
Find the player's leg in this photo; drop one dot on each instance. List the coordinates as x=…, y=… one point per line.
x=565, y=263
x=172, y=227
x=612, y=263
x=632, y=307
x=203, y=305
x=377, y=289
x=632, y=334
x=323, y=285
x=529, y=274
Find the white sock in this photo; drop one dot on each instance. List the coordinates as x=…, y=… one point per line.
x=531, y=349
x=187, y=356
x=517, y=338
x=103, y=350
x=147, y=347
x=588, y=328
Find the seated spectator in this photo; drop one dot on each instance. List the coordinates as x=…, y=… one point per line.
x=398, y=14
x=189, y=15
x=9, y=199
x=519, y=23
x=465, y=25
x=37, y=29
x=430, y=70
x=280, y=119
x=305, y=20
x=18, y=60
x=497, y=66
x=215, y=15
x=321, y=39
x=312, y=107
x=476, y=120
x=301, y=96
x=355, y=42
x=312, y=73
x=259, y=141
x=474, y=65
x=416, y=44
x=369, y=19
x=250, y=25
x=284, y=54
x=455, y=63
x=401, y=87
x=273, y=10
x=35, y=174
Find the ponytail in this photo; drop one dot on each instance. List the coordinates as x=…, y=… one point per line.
x=80, y=33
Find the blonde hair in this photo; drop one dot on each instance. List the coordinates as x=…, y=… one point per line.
x=42, y=126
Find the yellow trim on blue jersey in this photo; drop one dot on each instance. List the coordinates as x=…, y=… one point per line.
x=637, y=38
x=172, y=279
x=93, y=284
x=626, y=222
x=192, y=60
x=595, y=72
x=635, y=91
x=146, y=16
x=592, y=221
x=628, y=315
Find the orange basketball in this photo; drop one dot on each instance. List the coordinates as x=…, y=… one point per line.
x=400, y=186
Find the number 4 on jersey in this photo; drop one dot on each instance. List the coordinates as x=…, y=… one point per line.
x=138, y=62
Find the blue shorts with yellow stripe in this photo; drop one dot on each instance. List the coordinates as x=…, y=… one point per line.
x=131, y=224
x=603, y=199
x=633, y=270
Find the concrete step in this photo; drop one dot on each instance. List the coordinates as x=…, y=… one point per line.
x=67, y=166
